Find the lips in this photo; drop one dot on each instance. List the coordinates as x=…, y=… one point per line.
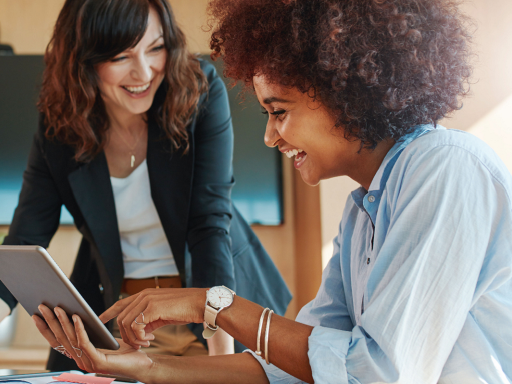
x=300, y=159
x=137, y=89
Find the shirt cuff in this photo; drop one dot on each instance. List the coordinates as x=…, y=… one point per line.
x=327, y=355
x=274, y=374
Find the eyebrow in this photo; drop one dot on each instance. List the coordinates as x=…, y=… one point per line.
x=270, y=100
x=154, y=41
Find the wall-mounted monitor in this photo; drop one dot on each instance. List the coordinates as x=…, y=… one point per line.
x=258, y=189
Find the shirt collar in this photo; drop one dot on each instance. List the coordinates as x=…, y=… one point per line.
x=369, y=200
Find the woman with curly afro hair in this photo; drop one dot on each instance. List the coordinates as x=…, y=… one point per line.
x=418, y=288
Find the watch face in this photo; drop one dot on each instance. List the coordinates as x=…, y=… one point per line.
x=220, y=297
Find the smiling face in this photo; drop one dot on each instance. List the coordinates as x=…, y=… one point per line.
x=303, y=128
x=129, y=81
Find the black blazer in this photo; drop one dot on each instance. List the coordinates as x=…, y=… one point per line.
x=210, y=241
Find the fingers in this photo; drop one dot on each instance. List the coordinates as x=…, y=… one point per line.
x=68, y=329
x=59, y=335
x=160, y=307
x=42, y=327
x=138, y=327
x=132, y=328
x=117, y=308
x=131, y=332
x=91, y=357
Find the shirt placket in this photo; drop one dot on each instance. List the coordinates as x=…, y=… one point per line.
x=369, y=203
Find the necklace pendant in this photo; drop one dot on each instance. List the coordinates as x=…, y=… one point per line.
x=132, y=160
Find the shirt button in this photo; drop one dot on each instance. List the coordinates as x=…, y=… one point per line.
x=371, y=198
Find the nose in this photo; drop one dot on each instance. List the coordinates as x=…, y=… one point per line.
x=142, y=69
x=271, y=134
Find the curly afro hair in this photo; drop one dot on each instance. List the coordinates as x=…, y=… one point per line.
x=380, y=66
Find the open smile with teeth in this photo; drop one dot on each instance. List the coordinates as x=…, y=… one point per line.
x=136, y=90
x=293, y=152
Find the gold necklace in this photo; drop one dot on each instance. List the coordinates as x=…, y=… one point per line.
x=132, y=149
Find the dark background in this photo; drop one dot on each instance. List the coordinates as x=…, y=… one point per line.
x=258, y=189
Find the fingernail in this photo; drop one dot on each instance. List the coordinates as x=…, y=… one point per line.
x=74, y=319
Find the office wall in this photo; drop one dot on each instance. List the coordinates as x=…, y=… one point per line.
x=28, y=24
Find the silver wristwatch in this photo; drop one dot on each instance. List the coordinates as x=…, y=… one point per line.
x=217, y=298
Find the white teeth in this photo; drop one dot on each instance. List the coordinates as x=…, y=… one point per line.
x=293, y=152
x=140, y=89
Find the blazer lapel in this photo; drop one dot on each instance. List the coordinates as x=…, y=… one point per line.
x=93, y=192
x=170, y=177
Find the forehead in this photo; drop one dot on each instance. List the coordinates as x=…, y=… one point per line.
x=267, y=92
x=154, y=24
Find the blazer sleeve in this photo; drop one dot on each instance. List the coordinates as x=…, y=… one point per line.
x=37, y=215
x=210, y=215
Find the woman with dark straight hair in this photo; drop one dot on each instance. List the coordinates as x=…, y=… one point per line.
x=135, y=140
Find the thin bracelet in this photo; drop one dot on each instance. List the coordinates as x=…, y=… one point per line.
x=266, y=336
x=258, y=351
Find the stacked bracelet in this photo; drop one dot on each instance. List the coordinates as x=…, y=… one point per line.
x=258, y=340
x=266, y=335
x=267, y=332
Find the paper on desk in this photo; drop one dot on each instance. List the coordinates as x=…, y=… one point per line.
x=83, y=379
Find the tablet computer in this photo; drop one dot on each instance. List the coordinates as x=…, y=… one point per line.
x=33, y=277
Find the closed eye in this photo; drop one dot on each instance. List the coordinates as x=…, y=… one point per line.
x=275, y=113
x=117, y=59
x=158, y=48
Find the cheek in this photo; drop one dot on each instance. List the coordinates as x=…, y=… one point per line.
x=160, y=63
x=109, y=77
x=289, y=129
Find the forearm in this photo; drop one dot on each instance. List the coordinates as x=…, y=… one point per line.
x=287, y=341
x=239, y=368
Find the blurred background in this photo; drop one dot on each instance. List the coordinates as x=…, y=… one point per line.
x=301, y=241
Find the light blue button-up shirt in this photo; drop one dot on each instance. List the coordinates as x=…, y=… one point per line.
x=419, y=288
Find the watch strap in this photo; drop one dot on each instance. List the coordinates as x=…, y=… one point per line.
x=210, y=315
x=207, y=333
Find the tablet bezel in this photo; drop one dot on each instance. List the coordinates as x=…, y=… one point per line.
x=15, y=274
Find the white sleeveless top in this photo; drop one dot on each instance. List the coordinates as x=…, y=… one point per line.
x=146, y=251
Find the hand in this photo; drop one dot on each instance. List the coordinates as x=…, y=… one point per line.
x=159, y=307
x=55, y=333
x=126, y=361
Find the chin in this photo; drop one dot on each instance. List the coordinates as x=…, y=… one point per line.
x=140, y=109
x=310, y=180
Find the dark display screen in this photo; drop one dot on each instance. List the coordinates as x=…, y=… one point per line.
x=257, y=192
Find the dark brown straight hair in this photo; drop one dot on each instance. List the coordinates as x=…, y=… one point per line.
x=91, y=32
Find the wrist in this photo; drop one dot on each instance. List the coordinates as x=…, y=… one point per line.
x=150, y=375
x=161, y=368
x=200, y=304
